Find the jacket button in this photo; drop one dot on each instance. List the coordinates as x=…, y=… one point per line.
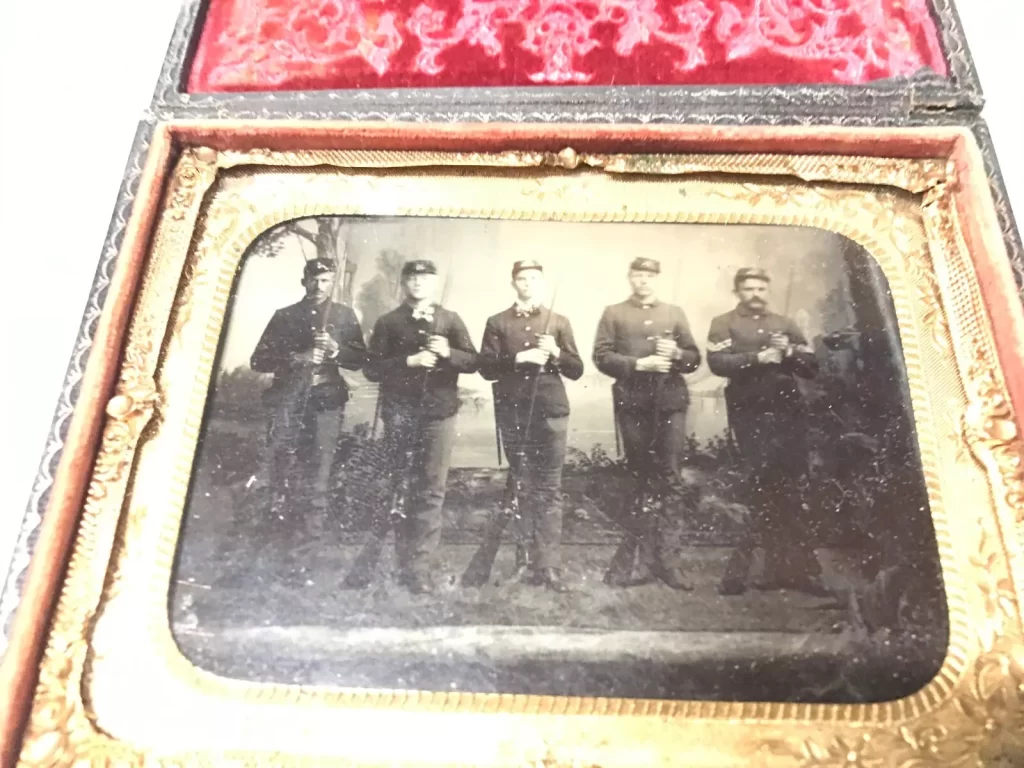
x=648, y=322
x=526, y=343
x=527, y=327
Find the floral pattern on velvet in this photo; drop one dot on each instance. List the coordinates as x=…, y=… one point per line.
x=317, y=44
x=861, y=39
x=560, y=34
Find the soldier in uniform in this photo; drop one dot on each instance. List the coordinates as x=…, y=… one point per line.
x=527, y=350
x=305, y=346
x=645, y=344
x=762, y=353
x=417, y=352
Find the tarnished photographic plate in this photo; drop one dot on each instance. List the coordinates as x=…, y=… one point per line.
x=581, y=458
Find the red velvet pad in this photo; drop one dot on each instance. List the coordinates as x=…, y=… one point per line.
x=318, y=44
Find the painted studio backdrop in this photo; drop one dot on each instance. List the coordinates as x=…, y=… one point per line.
x=586, y=266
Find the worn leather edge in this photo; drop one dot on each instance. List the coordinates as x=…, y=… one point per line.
x=70, y=391
x=1004, y=210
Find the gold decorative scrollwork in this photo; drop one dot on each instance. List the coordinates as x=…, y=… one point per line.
x=990, y=426
x=913, y=177
x=900, y=208
x=984, y=725
x=190, y=180
x=60, y=732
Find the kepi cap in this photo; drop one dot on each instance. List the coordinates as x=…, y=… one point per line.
x=419, y=267
x=750, y=273
x=642, y=264
x=519, y=266
x=316, y=267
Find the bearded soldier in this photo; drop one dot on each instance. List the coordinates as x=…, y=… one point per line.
x=527, y=350
x=305, y=346
x=762, y=353
x=417, y=352
x=645, y=344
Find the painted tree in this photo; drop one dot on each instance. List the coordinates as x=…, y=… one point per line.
x=382, y=292
x=322, y=237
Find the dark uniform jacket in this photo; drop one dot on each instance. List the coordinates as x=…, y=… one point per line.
x=432, y=392
x=291, y=330
x=734, y=341
x=505, y=335
x=626, y=333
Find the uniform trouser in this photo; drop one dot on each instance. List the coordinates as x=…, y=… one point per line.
x=304, y=446
x=419, y=456
x=535, y=458
x=772, y=446
x=653, y=444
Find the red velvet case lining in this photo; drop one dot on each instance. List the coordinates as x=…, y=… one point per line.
x=322, y=44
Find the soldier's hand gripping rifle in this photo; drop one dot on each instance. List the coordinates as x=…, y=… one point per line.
x=478, y=572
x=361, y=573
x=402, y=490
x=668, y=334
x=641, y=506
x=288, y=417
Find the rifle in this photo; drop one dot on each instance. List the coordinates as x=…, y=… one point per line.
x=789, y=289
x=479, y=569
x=497, y=428
x=662, y=379
x=615, y=424
x=376, y=419
x=536, y=380
x=295, y=399
x=398, y=507
x=667, y=333
x=360, y=574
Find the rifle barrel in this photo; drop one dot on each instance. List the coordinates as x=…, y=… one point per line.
x=789, y=289
x=536, y=380
x=405, y=478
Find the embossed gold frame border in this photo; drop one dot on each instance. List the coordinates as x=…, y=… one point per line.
x=110, y=647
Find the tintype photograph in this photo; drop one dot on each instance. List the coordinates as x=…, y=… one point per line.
x=641, y=460
x=538, y=458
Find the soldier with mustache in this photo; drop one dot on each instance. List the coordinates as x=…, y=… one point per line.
x=305, y=346
x=762, y=353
